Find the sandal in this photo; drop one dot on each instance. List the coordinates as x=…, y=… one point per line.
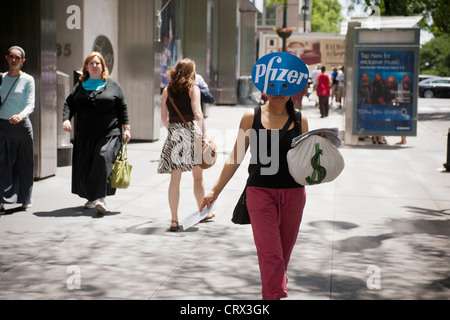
x=209, y=217
x=382, y=140
x=172, y=228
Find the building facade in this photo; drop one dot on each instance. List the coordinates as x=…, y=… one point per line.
x=140, y=40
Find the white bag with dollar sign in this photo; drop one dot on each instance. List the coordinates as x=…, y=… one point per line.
x=315, y=160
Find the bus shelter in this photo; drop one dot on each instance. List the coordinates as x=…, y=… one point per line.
x=384, y=75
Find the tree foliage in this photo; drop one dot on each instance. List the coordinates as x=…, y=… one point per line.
x=435, y=56
x=326, y=16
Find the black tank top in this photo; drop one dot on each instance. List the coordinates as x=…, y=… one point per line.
x=273, y=173
x=183, y=103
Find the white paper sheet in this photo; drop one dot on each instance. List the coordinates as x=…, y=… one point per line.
x=197, y=216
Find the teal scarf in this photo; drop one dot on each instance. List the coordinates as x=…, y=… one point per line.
x=94, y=84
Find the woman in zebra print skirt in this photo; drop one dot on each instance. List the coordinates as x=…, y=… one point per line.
x=179, y=151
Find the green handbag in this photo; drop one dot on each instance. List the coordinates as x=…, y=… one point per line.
x=121, y=171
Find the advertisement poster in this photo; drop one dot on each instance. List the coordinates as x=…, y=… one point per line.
x=314, y=49
x=385, y=103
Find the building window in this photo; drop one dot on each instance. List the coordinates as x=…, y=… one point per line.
x=268, y=17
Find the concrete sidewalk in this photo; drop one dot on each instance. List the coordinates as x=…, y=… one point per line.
x=380, y=231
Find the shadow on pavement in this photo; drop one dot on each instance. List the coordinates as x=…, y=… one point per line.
x=74, y=212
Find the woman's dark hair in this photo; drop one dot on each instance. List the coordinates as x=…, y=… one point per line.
x=291, y=112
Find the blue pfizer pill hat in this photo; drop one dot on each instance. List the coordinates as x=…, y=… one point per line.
x=280, y=73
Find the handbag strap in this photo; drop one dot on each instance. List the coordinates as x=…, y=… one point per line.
x=10, y=89
x=123, y=154
x=124, y=151
x=282, y=134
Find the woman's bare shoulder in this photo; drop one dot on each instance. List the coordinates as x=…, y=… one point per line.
x=247, y=119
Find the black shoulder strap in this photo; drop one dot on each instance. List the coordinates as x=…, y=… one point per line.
x=10, y=89
x=257, y=118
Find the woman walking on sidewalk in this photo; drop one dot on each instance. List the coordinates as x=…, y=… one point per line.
x=275, y=202
x=17, y=93
x=179, y=152
x=102, y=123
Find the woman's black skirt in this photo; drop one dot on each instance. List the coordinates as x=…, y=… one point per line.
x=92, y=165
x=16, y=162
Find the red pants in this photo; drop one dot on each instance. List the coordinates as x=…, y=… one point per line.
x=276, y=215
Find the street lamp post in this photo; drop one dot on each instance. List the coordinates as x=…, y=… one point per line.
x=304, y=8
x=284, y=24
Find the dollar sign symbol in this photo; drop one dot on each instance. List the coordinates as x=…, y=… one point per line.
x=319, y=172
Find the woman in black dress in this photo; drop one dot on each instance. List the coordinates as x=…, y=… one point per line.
x=102, y=123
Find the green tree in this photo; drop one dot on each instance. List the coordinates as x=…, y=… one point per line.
x=439, y=10
x=326, y=16
x=435, y=56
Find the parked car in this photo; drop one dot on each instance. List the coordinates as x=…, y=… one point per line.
x=435, y=87
x=425, y=77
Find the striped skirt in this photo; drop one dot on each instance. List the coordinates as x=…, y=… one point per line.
x=179, y=151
